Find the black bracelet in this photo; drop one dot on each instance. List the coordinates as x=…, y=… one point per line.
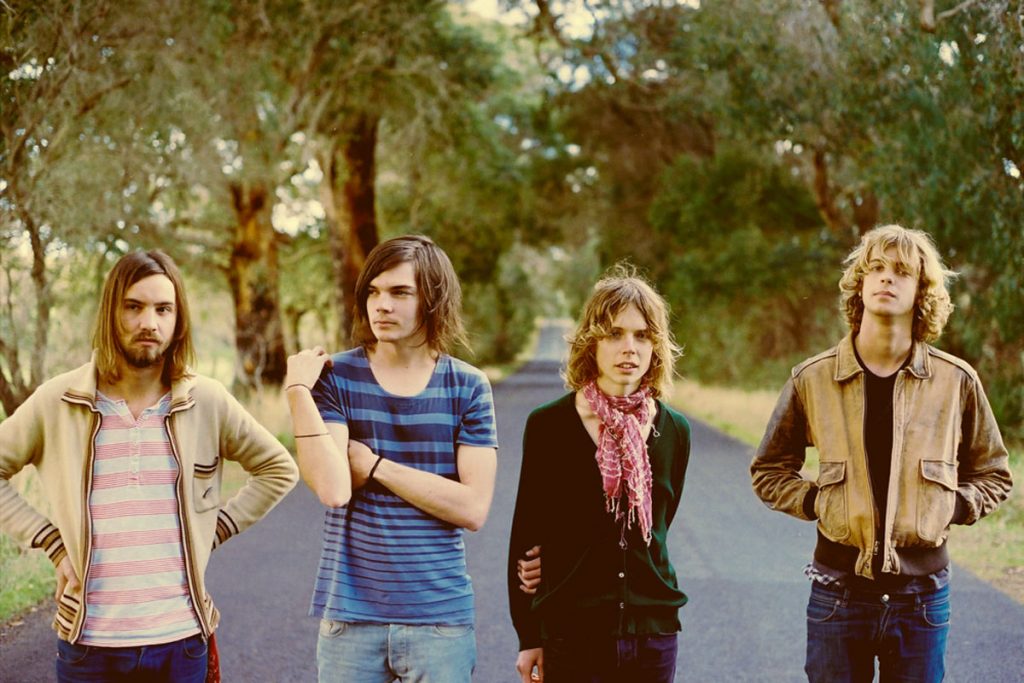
x=373, y=469
x=309, y=389
x=310, y=436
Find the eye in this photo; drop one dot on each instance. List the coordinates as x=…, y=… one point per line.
x=615, y=334
x=643, y=334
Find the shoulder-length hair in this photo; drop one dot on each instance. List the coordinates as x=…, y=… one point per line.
x=437, y=287
x=619, y=288
x=916, y=251
x=106, y=337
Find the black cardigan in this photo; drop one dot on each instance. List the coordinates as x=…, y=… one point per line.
x=590, y=586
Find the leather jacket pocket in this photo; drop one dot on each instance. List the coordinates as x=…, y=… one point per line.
x=936, y=499
x=830, y=504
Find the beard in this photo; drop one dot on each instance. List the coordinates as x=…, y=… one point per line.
x=143, y=357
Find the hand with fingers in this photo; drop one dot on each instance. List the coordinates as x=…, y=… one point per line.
x=304, y=368
x=530, y=665
x=67, y=579
x=528, y=571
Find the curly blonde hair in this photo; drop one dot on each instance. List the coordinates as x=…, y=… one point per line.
x=914, y=249
x=620, y=287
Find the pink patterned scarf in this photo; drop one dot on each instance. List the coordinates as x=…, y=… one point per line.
x=622, y=456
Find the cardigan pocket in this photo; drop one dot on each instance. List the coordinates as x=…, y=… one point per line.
x=206, y=486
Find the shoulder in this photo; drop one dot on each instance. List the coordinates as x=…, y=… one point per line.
x=941, y=360
x=557, y=409
x=201, y=388
x=462, y=374
x=822, y=362
x=674, y=417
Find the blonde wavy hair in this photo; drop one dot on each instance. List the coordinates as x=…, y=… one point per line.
x=916, y=251
x=619, y=288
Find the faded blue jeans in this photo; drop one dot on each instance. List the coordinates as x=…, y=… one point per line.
x=631, y=659
x=182, y=661
x=848, y=629
x=381, y=653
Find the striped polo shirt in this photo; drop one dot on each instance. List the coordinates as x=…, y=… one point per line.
x=383, y=560
x=136, y=591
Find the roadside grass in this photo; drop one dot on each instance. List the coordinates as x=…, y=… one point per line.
x=993, y=549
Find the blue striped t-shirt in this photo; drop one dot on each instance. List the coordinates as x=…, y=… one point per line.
x=383, y=560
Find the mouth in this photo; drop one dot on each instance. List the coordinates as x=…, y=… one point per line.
x=886, y=292
x=627, y=367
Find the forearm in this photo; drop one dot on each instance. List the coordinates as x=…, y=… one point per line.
x=320, y=451
x=28, y=526
x=452, y=501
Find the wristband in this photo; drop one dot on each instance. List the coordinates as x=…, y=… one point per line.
x=309, y=389
x=373, y=469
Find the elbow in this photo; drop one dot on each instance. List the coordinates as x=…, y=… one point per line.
x=335, y=499
x=475, y=520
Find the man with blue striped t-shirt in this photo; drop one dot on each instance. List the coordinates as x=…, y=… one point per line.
x=392, y=590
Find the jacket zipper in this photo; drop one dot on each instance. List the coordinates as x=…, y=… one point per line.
x=874, y=544
x=76, y=632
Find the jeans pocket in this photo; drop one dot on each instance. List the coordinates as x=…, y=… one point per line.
x=194, y=647
x=453, y=631
x=821, y=610
x=71, y=653
x=330, y=628
x=937, y=613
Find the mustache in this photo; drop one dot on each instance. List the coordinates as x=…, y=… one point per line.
x=145, y=338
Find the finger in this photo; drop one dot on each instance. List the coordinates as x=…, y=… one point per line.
x=528, y=591
x=533, y=552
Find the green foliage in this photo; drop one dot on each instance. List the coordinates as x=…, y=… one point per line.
x=747, y=266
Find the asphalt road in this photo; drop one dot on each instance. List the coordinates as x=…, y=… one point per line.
x=739, y=562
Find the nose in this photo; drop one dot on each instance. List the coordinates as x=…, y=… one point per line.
x=630, y=344
x=147, y=320
x=384, y=303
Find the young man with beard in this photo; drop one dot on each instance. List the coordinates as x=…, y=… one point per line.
x=129, y=449
x=908, y=446
x=417, y=425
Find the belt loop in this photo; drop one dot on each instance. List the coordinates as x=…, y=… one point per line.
x=846, y=598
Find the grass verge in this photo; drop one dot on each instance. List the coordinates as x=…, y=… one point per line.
x=993, y=549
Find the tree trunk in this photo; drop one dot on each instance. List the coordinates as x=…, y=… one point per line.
x=13, y=387
x=253, y=275
x=350, y=185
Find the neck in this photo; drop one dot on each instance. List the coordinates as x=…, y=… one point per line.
x=136, y=383
x=883, y=347
x=615, y=389
x=402, y=355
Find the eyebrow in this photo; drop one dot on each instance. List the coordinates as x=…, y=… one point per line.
x=129, y=300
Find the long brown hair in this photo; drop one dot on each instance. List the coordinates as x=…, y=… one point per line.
x=106, y=335
x=619, y=288
x=437, y=286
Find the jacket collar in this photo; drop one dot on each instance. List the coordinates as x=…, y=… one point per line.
x=81, y=388
x=847, y=366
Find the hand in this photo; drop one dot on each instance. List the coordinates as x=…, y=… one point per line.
x=304, y=367
x=525, y=663
x=528, y=571
x=360, y=460
x=66, y=578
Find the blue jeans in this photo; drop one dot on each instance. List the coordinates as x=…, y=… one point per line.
x=634, y=659
x=380, y=653
x=182, y=661
x=847, y=629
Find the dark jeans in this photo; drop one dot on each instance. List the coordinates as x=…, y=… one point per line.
x=848, y=629
x=635, y=659
x=183, y=661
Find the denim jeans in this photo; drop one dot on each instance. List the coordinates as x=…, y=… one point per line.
x=182, y=661
x=848, y=629
x=634, y=659
x=380, y=653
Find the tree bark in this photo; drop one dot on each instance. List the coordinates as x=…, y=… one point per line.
x=351, y=185
x=254, y=276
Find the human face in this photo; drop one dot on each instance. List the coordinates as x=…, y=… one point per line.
x=624, y=356
x=393, y=306
x=148, y=319
x=889, y=289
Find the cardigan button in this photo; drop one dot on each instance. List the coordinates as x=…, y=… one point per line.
x=622, y=605
x=622, y=575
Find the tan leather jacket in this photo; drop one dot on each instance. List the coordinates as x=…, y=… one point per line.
x=945, y=443
x=55, y=429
